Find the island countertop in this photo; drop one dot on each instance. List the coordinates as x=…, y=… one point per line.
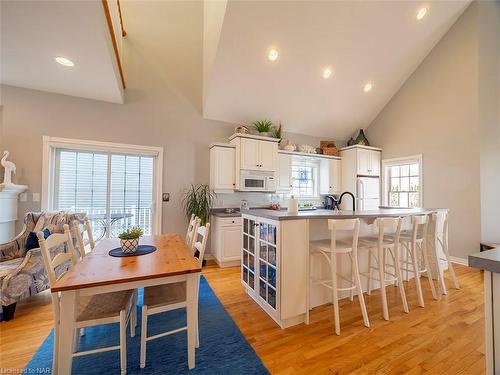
x=488, y=260
x=337, y=214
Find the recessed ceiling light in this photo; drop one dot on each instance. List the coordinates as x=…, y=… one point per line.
x=64, y=61
x=327, y=73
x=272, y=54
x=368, y=87
x=421, y=13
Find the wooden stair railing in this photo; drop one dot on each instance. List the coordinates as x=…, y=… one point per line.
x=113, y=39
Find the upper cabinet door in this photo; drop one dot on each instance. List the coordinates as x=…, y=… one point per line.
x=284, y=172
x=335, y=174
x=375, y=157
x=364, y=161
x=222, y=170
x=268, y=156
x=250, y=154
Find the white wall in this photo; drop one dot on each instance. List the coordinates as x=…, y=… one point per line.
x=163, y=72
x=435, y=113
x=489, y=119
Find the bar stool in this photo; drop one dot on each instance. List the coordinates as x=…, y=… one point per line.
x=441, y=239
x=414, y=244
x=330, y=248
x=377, y=248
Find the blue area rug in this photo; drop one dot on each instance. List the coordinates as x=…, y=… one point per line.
x=223, y=349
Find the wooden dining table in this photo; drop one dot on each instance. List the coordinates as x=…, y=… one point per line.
x=98, y=272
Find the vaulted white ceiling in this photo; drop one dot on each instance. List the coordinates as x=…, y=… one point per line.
x=34, y=32
x=377, y=41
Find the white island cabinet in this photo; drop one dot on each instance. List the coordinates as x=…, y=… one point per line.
x=275, y=263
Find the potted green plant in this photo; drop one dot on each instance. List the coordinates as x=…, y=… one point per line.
x=198, y=200
x=263, y=127
x=129, y=240
x=278, y=132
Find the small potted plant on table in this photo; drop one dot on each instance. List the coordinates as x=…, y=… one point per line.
x=129, y=240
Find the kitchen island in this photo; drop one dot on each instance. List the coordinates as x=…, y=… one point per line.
x=275, y=256
x=489, y=261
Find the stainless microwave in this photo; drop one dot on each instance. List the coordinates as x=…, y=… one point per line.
x=257, y=181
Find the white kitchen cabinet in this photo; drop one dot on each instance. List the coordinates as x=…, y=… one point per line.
x=250, y=154
x=222, y=171
x=284, y=172
x=368, y=162
x=226, y=240
x=330, y=176
x=258, y=155
x=268, y=158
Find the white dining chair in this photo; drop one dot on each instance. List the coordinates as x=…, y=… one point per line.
x=93, y=310
x=193, y=225
x=84, y=237
x=378, y=247
x=85, y=240
x=441, y=240
x=331, y=249
x=168, y=297
x=414, y=247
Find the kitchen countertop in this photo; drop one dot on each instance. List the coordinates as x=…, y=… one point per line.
x=220, y=212
x=343, y=214
x=488, y=260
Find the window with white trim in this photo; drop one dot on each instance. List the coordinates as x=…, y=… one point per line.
x=115, y=188
x=403, y=182
x=305, y=181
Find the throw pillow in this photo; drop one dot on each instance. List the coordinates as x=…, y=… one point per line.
x=32, y=239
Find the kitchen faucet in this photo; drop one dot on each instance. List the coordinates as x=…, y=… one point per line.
x=353, y=199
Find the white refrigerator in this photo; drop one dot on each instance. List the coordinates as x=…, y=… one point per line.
x=368, y=193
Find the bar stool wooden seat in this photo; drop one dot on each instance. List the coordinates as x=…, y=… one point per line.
x=330, y=249
x=378, y=248
x=414, y=245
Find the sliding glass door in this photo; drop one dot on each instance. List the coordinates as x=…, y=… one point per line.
x=116, y=190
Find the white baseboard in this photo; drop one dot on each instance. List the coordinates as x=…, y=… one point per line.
x=457, y=260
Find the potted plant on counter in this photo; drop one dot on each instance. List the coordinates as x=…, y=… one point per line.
x=198, y=200
x=129, y=240
x=264, y=127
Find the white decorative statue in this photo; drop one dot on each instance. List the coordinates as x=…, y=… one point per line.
x=10, y=168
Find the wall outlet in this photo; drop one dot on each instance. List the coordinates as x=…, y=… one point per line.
x=36, y=197
x=166, y=197
x=23, y=197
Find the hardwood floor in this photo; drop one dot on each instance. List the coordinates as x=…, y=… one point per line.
x=445, y=337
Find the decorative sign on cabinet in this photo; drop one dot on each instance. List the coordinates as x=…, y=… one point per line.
x=222, y=170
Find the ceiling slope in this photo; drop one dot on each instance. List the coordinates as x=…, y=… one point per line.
x=34, y=32
x=376, y=41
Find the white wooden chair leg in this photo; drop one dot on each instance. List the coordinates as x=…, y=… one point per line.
x=381, y=273
x=83, y=331
x=335, y=298
x=361, y=297
x=416, y=268
x=55, y=357
x=450, y=268
x=123, y=342
x=353, y=282
x=429, y=274
x=309, y=287
x=399, y=277
x=133, y=314
x=76, y=336
x=144, y=332
x=370, y=265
